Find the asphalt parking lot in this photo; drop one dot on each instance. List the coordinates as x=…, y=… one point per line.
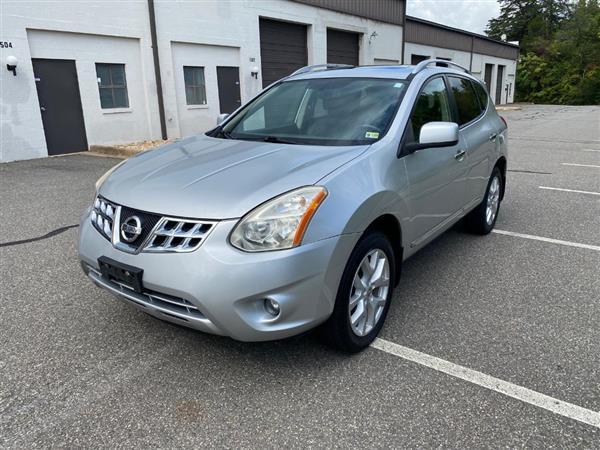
x=505, y=329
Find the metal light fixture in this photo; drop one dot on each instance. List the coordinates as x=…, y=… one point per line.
x=372, y=36
x=11, y=64
x=254, y=72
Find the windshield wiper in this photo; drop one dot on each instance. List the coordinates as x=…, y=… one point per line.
x=278, y=140
x=225, y=134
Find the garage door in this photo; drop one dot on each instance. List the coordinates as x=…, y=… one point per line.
x=282, y=49
x=342, y=47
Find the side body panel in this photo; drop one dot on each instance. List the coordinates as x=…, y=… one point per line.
x=377, y=182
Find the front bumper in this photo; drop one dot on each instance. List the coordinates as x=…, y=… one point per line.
x=221, y=290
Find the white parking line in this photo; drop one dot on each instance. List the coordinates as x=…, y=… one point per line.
x=550, y=240
x=580, y=165
x=521, y=393
x=569, y=190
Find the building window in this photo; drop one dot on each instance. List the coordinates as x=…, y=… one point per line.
x=112, y=85
x=195, y=87
x=416, y=59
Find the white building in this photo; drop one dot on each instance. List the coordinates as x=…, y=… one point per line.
x=87, y=73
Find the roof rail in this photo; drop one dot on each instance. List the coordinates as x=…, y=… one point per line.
x=320, y=67
x=423, y=64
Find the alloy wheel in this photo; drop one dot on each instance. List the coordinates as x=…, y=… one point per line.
x=369, y=292
x=493, y=201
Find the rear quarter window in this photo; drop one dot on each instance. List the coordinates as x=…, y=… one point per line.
x=466, y=99
x=482, y=95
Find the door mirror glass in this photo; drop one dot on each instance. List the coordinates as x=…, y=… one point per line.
x=221, y=118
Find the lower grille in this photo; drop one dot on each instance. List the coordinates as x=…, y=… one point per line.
x=167, y=304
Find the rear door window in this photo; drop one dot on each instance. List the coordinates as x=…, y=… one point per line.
x=466, y=100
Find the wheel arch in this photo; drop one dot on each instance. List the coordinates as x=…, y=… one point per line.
x=389, y=225
x=501, y=164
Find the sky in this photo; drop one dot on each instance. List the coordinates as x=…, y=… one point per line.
x=470, y=15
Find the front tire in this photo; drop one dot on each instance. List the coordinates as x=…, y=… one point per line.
x=483, y=218
x=364, y=295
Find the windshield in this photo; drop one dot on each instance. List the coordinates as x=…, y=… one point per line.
x=325, y=111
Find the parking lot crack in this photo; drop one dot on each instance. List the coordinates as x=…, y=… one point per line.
x=39, y=238
x=529, y=171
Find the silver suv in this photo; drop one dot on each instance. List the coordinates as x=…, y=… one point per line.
x=299, y=209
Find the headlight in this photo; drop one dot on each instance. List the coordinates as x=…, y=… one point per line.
x=103, y=178
x=280, y=223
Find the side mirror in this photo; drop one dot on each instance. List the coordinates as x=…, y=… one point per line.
x=435, y=134
x=221, y=118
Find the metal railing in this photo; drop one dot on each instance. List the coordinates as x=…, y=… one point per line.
x=321, y=67
x=424, y=64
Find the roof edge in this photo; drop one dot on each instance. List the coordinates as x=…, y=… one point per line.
x=458, y=30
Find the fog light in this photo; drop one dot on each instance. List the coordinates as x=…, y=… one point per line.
x=272, y=307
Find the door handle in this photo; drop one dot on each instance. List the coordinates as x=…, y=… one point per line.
x=460, y=155
x=493, y=137
x=43, y=108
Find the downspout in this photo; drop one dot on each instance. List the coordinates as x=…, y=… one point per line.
x=472, y=47
x=159, y=91
x=403, y=32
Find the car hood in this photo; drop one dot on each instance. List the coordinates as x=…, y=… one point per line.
x=209, y=178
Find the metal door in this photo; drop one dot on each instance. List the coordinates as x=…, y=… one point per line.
x=489, y=68
x=60, y=105
x=342, y=47
x=228, y=79
x=499, y=84
x=282, y=49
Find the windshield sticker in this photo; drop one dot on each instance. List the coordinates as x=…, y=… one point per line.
x=372, y=134
x=398, y=85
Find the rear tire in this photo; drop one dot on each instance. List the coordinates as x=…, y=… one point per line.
x=364, y=295
x=483, y=218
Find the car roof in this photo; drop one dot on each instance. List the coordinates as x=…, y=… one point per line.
x=400, y=72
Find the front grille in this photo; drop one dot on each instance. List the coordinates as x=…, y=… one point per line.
x=103, y=216
x=148, y=222
x=178, y=235
x=155, y=233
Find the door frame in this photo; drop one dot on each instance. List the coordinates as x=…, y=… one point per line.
x=85, y=140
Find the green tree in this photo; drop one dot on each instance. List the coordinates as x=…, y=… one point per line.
x=560, y=49
x=531, y=22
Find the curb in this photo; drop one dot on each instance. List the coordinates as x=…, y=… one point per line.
x=110, y=150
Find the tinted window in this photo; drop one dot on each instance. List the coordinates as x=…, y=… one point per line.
x=432, y=106
x=466, y=99
x=482, y=94
x=112, y=85
x=325, y=111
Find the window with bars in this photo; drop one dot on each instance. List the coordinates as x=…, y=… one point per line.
x=195, y=87
x=112, y=85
